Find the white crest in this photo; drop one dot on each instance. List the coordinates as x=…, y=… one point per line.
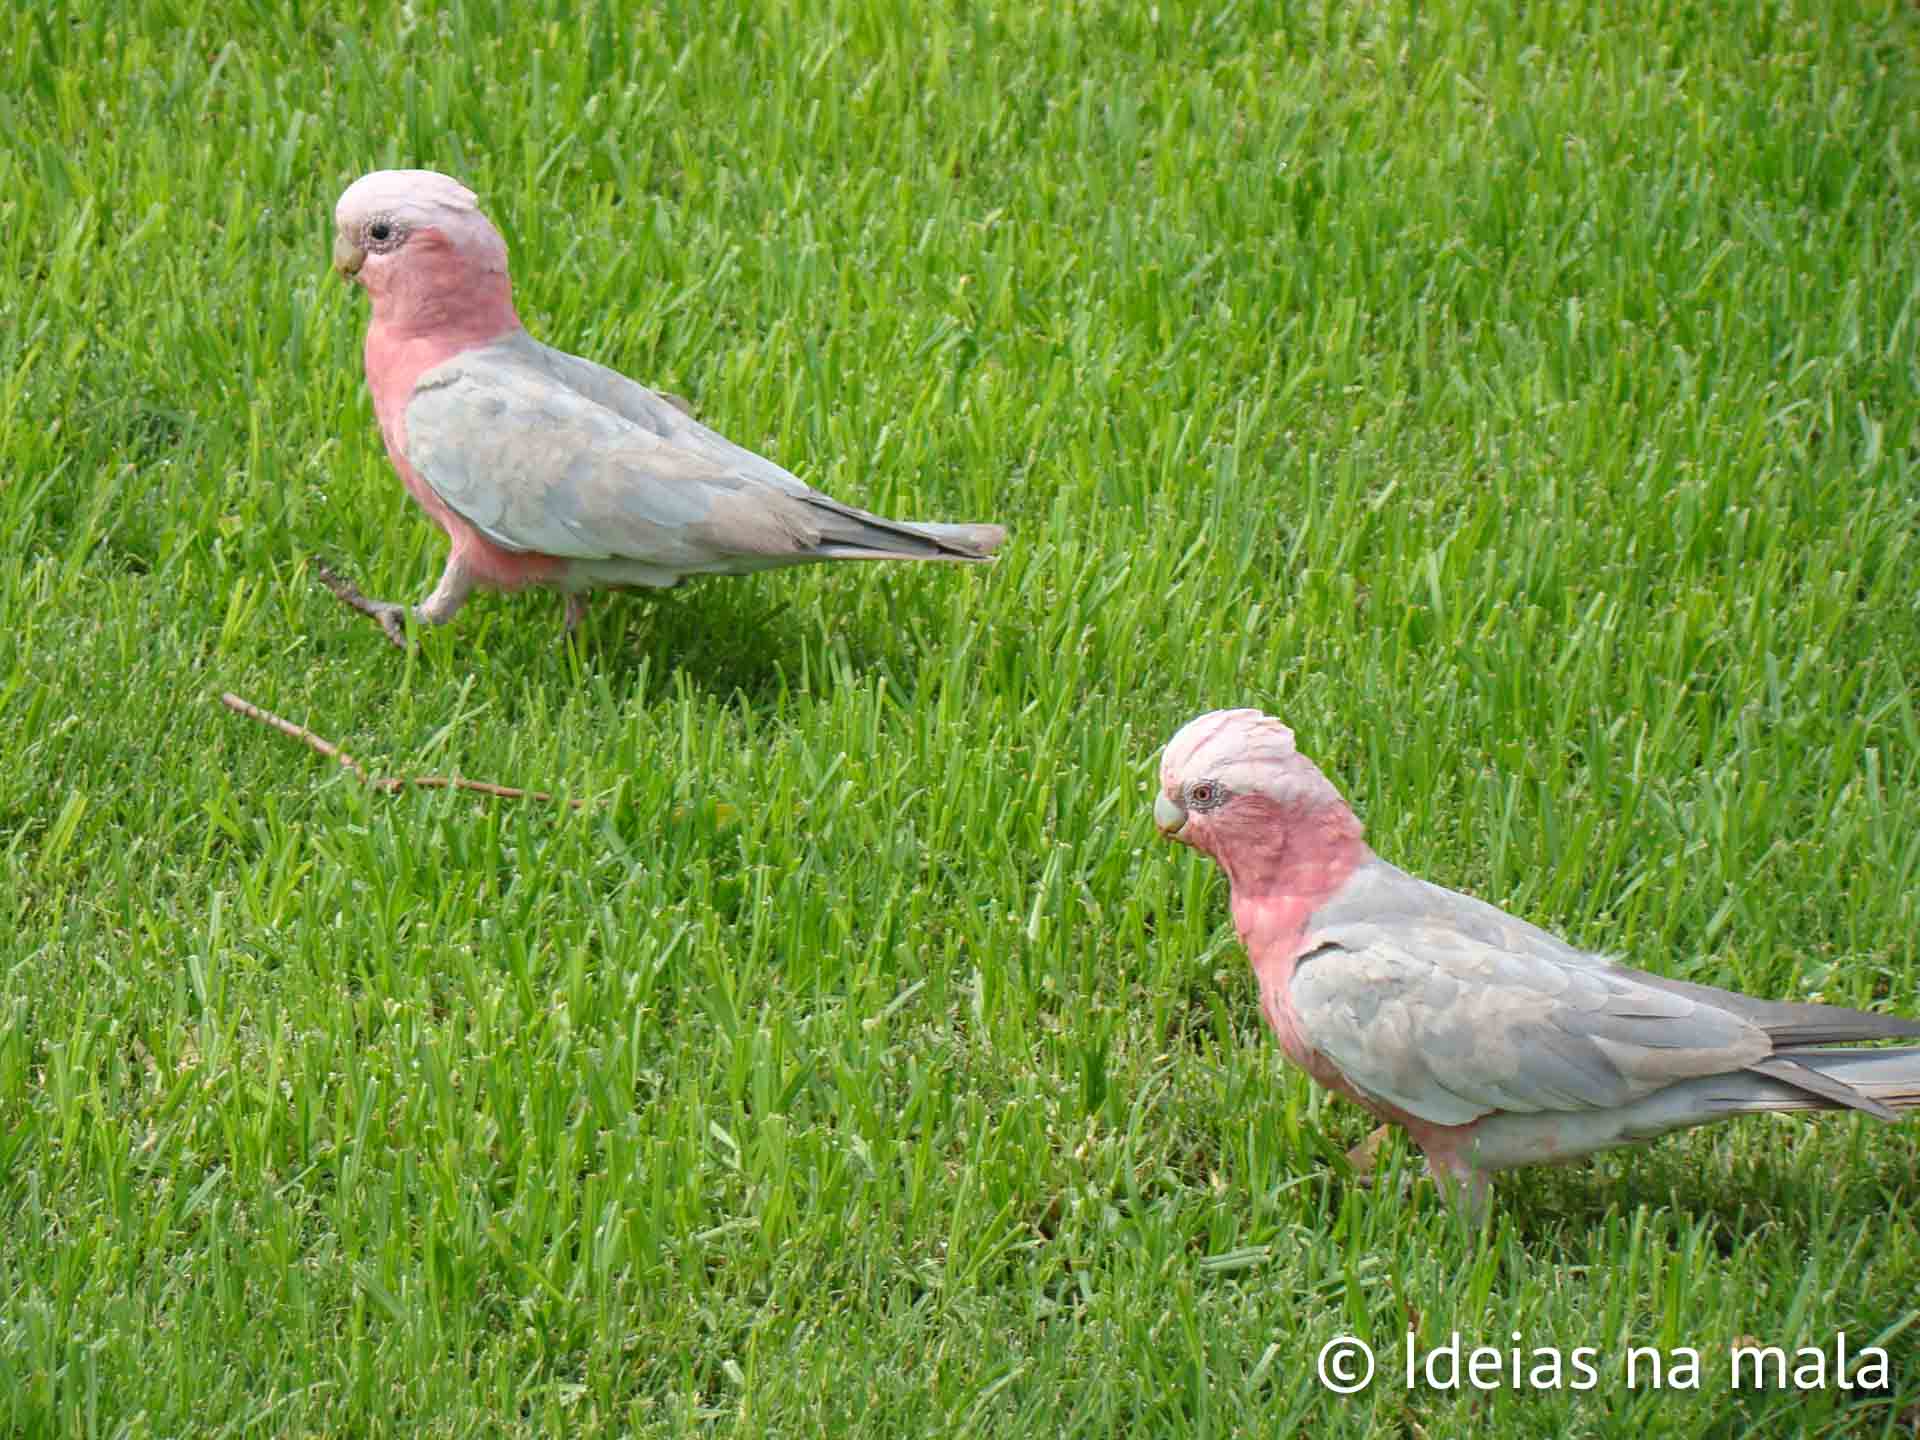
x=1247, y=751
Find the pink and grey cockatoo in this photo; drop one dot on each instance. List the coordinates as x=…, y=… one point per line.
x=1493, y=1043
x=546, y=469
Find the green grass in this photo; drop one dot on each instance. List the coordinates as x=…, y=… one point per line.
x=1519, y=399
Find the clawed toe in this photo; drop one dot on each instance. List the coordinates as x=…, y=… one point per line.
x=1468, y=1191
x=1365, y=1156
x=391, y=618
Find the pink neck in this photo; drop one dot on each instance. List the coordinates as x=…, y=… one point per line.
x=396, y=356
x=439, y=305
x=457, y=299
x=455, y=322
x=1284, y=867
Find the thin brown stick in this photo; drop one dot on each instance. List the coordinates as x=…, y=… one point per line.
x=386, y=784
x=296, y=732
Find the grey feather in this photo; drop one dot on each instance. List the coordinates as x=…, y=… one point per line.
x=1792, y=1022
x=546, y=452
x=1451, y=1010
x=1882, y=1082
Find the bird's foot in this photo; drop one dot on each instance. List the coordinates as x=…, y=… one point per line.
x=390, y=617
x=1468, y=1191
x=1365, y=1156
x=576, y=610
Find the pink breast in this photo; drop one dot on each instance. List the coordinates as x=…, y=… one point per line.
x=392, y=368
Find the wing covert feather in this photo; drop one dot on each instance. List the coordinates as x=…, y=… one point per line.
x=543, y=451
x=1449, y=1028
x=535, y=465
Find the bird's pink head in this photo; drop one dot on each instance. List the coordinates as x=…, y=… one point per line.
x=1233, y=786
x=428, y=258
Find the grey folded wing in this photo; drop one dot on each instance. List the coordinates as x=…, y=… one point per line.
x=1449, y=1027
x=542, y=451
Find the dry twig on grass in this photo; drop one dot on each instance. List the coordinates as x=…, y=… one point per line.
x=386, y=784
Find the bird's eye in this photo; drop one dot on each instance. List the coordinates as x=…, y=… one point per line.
x=380, y=230
x=1203, y=793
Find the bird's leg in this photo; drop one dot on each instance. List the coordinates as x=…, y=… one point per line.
x=449, y=595
x=1366, y=1155
x=1467, y=1187
x=576, y=609
x=436, y=609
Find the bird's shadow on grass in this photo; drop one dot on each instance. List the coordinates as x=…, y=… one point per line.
x=1729, y=1199
x=747, y=644
x=1735, y=1201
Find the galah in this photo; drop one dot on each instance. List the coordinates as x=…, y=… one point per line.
x=545, y=469
x=1491, y=1042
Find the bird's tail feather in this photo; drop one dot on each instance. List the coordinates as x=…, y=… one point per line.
x=901, y=541
x=1880, y=1082
x=978, y=541
x=1794, y=1022
x=850, y=534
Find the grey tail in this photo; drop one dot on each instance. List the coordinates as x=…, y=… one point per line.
x=1877, y=1082
x=969, y=541
x=1881, y=1083
x=850, y=534
x=1791, y=1022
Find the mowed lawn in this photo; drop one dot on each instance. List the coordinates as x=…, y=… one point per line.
x=1519, y=399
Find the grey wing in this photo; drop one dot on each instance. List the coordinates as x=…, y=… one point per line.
x=1379, y=893
x=1449, y=1028
x=536, y=466
x=832, y=529
x=664, y=415
x=506, y=436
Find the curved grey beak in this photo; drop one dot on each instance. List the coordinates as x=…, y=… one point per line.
x=1167, y=813
x=347, y=257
